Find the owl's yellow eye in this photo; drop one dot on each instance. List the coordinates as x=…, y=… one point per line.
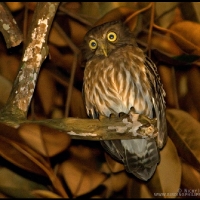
x=93, y=44
x=112, y=36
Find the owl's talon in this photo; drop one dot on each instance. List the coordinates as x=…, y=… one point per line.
x=122, y=115
x=102, y=117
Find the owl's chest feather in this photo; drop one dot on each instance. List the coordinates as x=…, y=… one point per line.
x=116, y=83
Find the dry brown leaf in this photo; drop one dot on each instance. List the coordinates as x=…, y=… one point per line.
x=44, y=194
x=190, y=177
x=44, y=140
x=26, y=158
x=46, y=91
x=77, y=33
x=77, y=107
x=79, y=178
x=116, y=182
x=16, y=185
x=9, y=65
x=167, y=76
x=193, y=77
x=162, y=42
x=167, y=178
x=184, y=131
x=22, y=156
x=56, y=39
x=65, y=61
x=5, y=88
x=138, y=189
x=15, y=6
x=120, y=13
x=113, y=165
x=189, y=32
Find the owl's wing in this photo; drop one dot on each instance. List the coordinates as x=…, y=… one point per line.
x=114, y=148
x=140, y=156
x=158, y=101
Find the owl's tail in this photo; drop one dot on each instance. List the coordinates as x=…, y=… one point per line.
x=140, y=157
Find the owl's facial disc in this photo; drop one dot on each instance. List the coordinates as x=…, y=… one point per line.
x=104, y=45
x=100, y=48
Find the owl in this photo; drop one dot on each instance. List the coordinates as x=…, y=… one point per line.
x=118, y=77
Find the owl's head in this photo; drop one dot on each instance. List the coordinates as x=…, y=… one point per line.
x=102, y=40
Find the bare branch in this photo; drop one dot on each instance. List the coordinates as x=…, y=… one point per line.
x=9, y=28
x=35, y=53
x=124, y=127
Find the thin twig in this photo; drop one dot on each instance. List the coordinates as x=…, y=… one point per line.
x=76, y=52
x=175, y=34
x=8, y=26
x=75, y=16
x=138, y=12
x=150, y=28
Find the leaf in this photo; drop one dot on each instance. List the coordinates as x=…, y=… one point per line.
x=138, y=189
x=43, y=139
x=193, y=84
x=79, y=178
x=77, y=107
x=160, y=42
x=184, y=131
x=188, y=59
x=44, y=194
x=26, y=158
x=46, y=92
x=113, y=165
x=190, y=177
x=165, y=12
x=18, y=155
x=167, y=178
x=187, y=36
x=5, y=88
x=15, y=6
x=16, y=186
x=120, y=13
x=167, y=76
x=116, y=182
x=169, y=60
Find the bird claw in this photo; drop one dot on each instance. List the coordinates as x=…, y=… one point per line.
x=148, y=131
x=148, y=126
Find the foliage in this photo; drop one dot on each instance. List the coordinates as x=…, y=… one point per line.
x=38, y=157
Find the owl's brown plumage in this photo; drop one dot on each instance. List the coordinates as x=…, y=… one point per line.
x=118, y=76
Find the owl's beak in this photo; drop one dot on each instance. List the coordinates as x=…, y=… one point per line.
x=104, y=49
x=105, y=52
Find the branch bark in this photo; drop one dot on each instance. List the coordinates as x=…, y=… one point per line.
x=124, y=127
x=9, y=28
x=36, y=51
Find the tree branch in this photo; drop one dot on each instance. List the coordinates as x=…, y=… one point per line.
x=35, y=53
x=125, y=127
x=9, y=28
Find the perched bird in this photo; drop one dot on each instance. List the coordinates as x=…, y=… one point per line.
x=118, y=76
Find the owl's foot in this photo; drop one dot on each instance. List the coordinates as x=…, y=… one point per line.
x=148, y=126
